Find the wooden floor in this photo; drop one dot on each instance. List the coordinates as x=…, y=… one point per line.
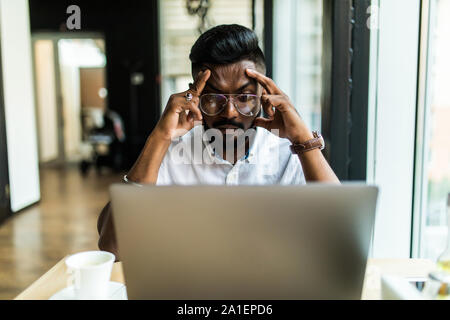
x=64, y=222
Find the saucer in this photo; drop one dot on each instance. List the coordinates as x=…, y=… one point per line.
x=116, y=291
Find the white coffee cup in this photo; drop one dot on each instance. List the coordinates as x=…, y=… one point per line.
x=91, y=272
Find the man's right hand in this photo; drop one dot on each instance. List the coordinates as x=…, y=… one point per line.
x=177, y=119
x=180, y=115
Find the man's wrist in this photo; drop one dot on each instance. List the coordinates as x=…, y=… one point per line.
x=301, y=136
x=317, y=142
x=300, y=132
x=158, y=136
x=145, y=170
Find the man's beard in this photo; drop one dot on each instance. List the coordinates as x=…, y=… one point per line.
x=223, y=122
x=235, y=139
x=229, y=134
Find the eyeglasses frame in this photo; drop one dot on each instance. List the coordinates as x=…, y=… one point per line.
x=227, y=98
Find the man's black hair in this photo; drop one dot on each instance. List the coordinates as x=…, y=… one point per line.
x=225, y=44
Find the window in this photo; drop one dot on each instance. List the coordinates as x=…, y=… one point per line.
x=394, y=43
x=298, y=48
x=433, y=136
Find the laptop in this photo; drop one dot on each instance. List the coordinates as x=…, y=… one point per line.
x=250, y=243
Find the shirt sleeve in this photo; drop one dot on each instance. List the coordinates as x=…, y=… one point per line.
x=164, y=178
x=293, y=175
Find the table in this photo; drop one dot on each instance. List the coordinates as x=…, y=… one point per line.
x=56, y=278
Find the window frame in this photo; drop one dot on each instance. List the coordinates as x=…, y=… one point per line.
x=268, y=35
x=345, y=86
x=422, y=142
x=346, y=51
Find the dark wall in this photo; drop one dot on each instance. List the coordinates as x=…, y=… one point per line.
x=131, y=38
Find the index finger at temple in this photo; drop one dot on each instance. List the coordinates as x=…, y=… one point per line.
x=266, y=82
x=200, y=82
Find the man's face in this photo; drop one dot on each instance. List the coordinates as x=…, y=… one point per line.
x=231, y=79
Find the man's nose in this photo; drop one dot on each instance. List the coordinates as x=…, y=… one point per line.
x=230, y=110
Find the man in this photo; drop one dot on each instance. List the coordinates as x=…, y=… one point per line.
x=213, y=133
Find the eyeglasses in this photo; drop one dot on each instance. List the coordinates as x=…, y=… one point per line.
x=246, y=104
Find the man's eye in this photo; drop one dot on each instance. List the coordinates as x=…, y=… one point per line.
x=244, y=98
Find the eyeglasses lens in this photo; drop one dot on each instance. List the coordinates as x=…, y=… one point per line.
x=213, y=104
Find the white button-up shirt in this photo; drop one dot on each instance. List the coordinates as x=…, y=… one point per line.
x=269, y=161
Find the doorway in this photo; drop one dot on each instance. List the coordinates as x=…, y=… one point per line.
x=71, y=101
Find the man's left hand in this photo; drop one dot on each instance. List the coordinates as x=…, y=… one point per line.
x=282, y=114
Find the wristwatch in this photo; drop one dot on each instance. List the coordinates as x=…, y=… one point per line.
x=316, y=143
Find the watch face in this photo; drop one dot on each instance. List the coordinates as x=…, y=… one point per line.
x=322, y=142
x=316, y=134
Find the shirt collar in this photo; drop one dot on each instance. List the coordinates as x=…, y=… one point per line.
x=250, y=153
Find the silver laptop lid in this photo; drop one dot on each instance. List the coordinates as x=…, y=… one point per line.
x=272, y=242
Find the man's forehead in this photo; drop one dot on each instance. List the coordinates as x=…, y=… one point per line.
x=230, y=76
